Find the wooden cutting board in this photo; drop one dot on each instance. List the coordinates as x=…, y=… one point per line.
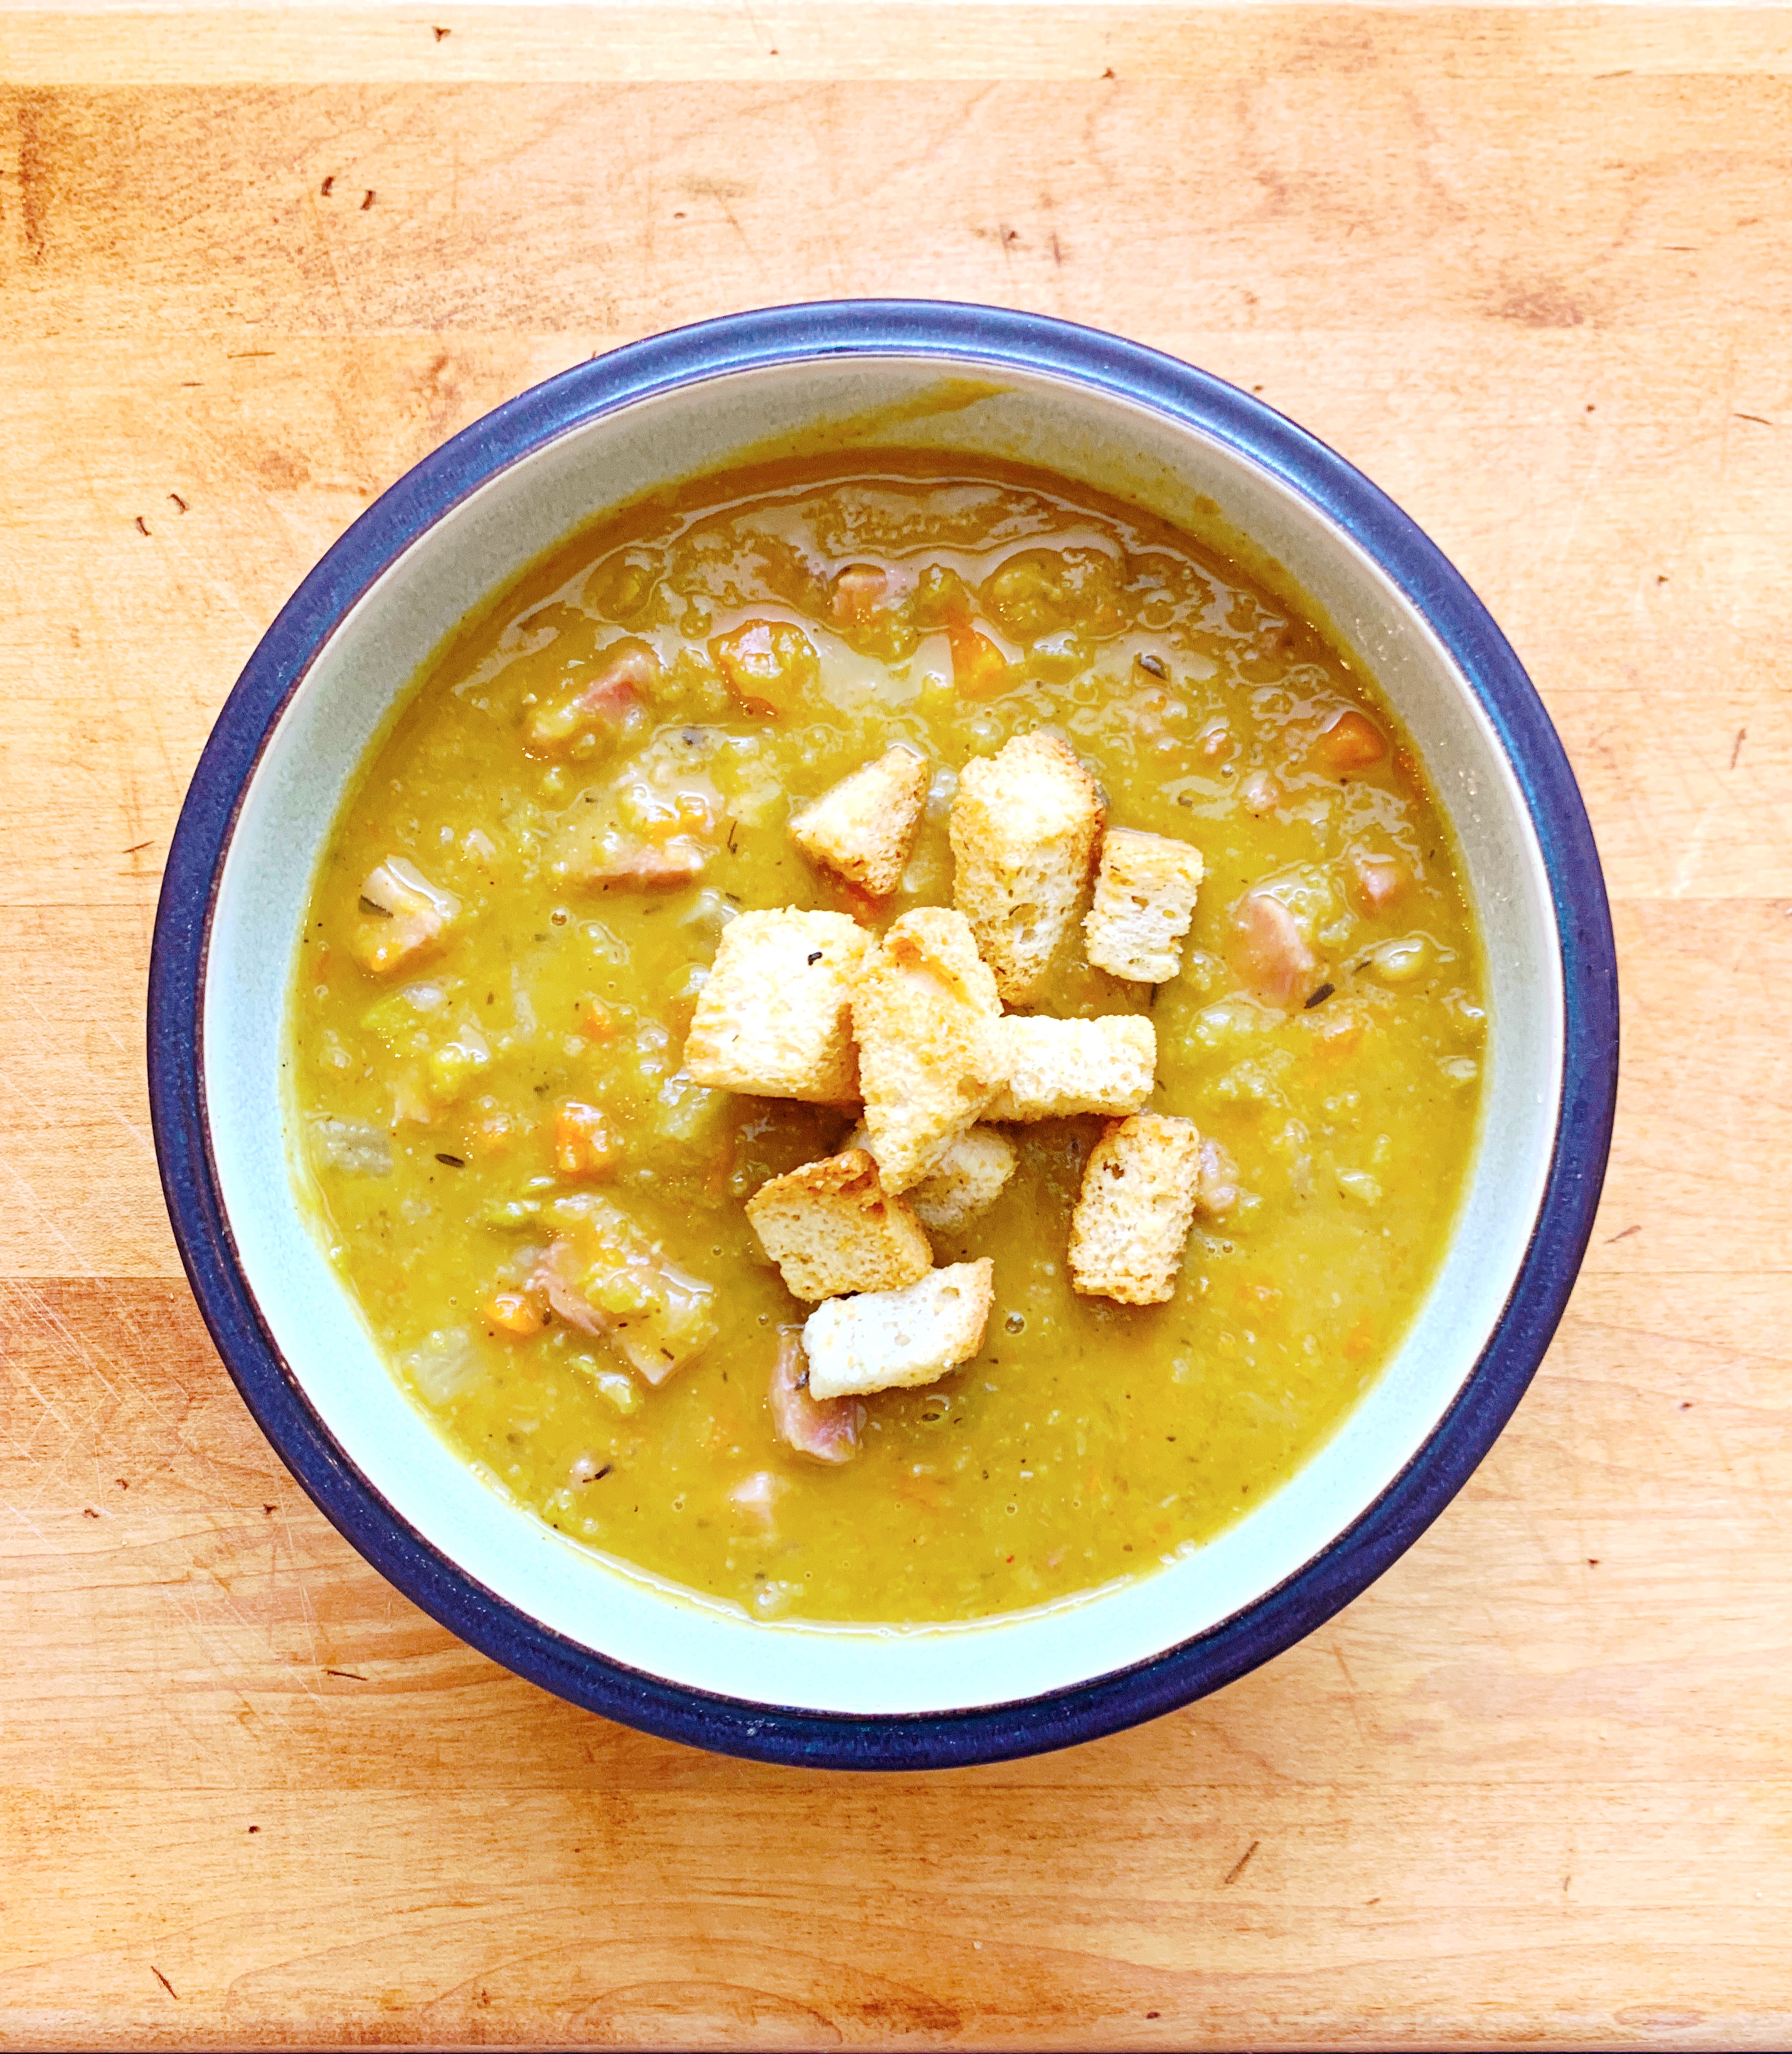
x=1529, y=269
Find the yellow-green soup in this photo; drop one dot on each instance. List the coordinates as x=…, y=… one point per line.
x=752, y=638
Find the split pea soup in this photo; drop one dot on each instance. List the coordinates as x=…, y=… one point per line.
x=519, y=906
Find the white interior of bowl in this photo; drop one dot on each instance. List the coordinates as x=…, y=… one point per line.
x=288, y=813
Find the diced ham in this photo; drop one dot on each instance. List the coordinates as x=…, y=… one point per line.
x=1377, y=881
x=619, y=691
x=647, y=865
x=825, y=1428
x=622, y=685
x=1269, y=951
x=861, y=593
x=755, y=1498
x=404, y=916
x=1216, y=1181
x=606, y=1278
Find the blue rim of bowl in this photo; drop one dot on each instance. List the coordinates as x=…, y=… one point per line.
x=962, y=336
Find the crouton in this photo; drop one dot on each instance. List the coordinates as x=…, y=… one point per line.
x=773, y=1019
x=924, y=1011
x=1023, y=828
x=887, y=1340
x=1145, y=901
x=1133, y=1214
x=864, y=826
x=966, y=1180
x=1057, y=1068
x=831, y=1226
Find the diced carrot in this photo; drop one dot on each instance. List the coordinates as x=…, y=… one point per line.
x=583, y=1145
x=511, y=1312
x=768, y=665
x=493, y=1137
x=596, y=1021
x=1351, y=742
x=979, y=668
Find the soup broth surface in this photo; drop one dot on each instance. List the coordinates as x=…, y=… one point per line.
x=792, y=623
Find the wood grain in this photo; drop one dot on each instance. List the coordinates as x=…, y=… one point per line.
x=1528, y=268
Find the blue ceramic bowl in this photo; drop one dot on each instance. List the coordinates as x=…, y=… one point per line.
x=281, y=759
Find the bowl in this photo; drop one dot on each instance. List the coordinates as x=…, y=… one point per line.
x=319, y=688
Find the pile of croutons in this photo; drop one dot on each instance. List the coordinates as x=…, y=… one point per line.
x=810, y=1005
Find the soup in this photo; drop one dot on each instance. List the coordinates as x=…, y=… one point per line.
x=630, y=784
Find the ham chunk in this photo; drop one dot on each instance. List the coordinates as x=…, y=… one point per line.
x=601, y=1275
x=825, y=1429
x=403, y=917
x=573, y=725
x=1270, y=953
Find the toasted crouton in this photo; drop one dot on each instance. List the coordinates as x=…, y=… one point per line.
x=1057, y=1068
x=1145, y=901
x=924, y=1011
x=966, y=1180
x=773, y=1019
x=1132, y=1215
x=885, y=1339
x=830, y=1227
x=864, y=826
x=1023, y=827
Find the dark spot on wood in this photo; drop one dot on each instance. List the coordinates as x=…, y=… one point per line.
x=269, y=1509
x=136, y=845
x=1109, y=72
x=1742, y=736
x=88, y=1513
x=163, y=1981
x=353, y=1675
x=1626, y=1233
x=1592, y=1561
x=328, y=183
x=178, y=501
x=368, y=202
x=1757, y=420
x=255, y=1829
x=441, y=34
x=1686, y=1405
x=1237, y=1868
x=142, y=530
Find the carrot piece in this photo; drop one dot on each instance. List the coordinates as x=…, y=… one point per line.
x=979, y=668
x=1351, y=742
x=511, y=1312
x=597, y=1022
x=583, y=1145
